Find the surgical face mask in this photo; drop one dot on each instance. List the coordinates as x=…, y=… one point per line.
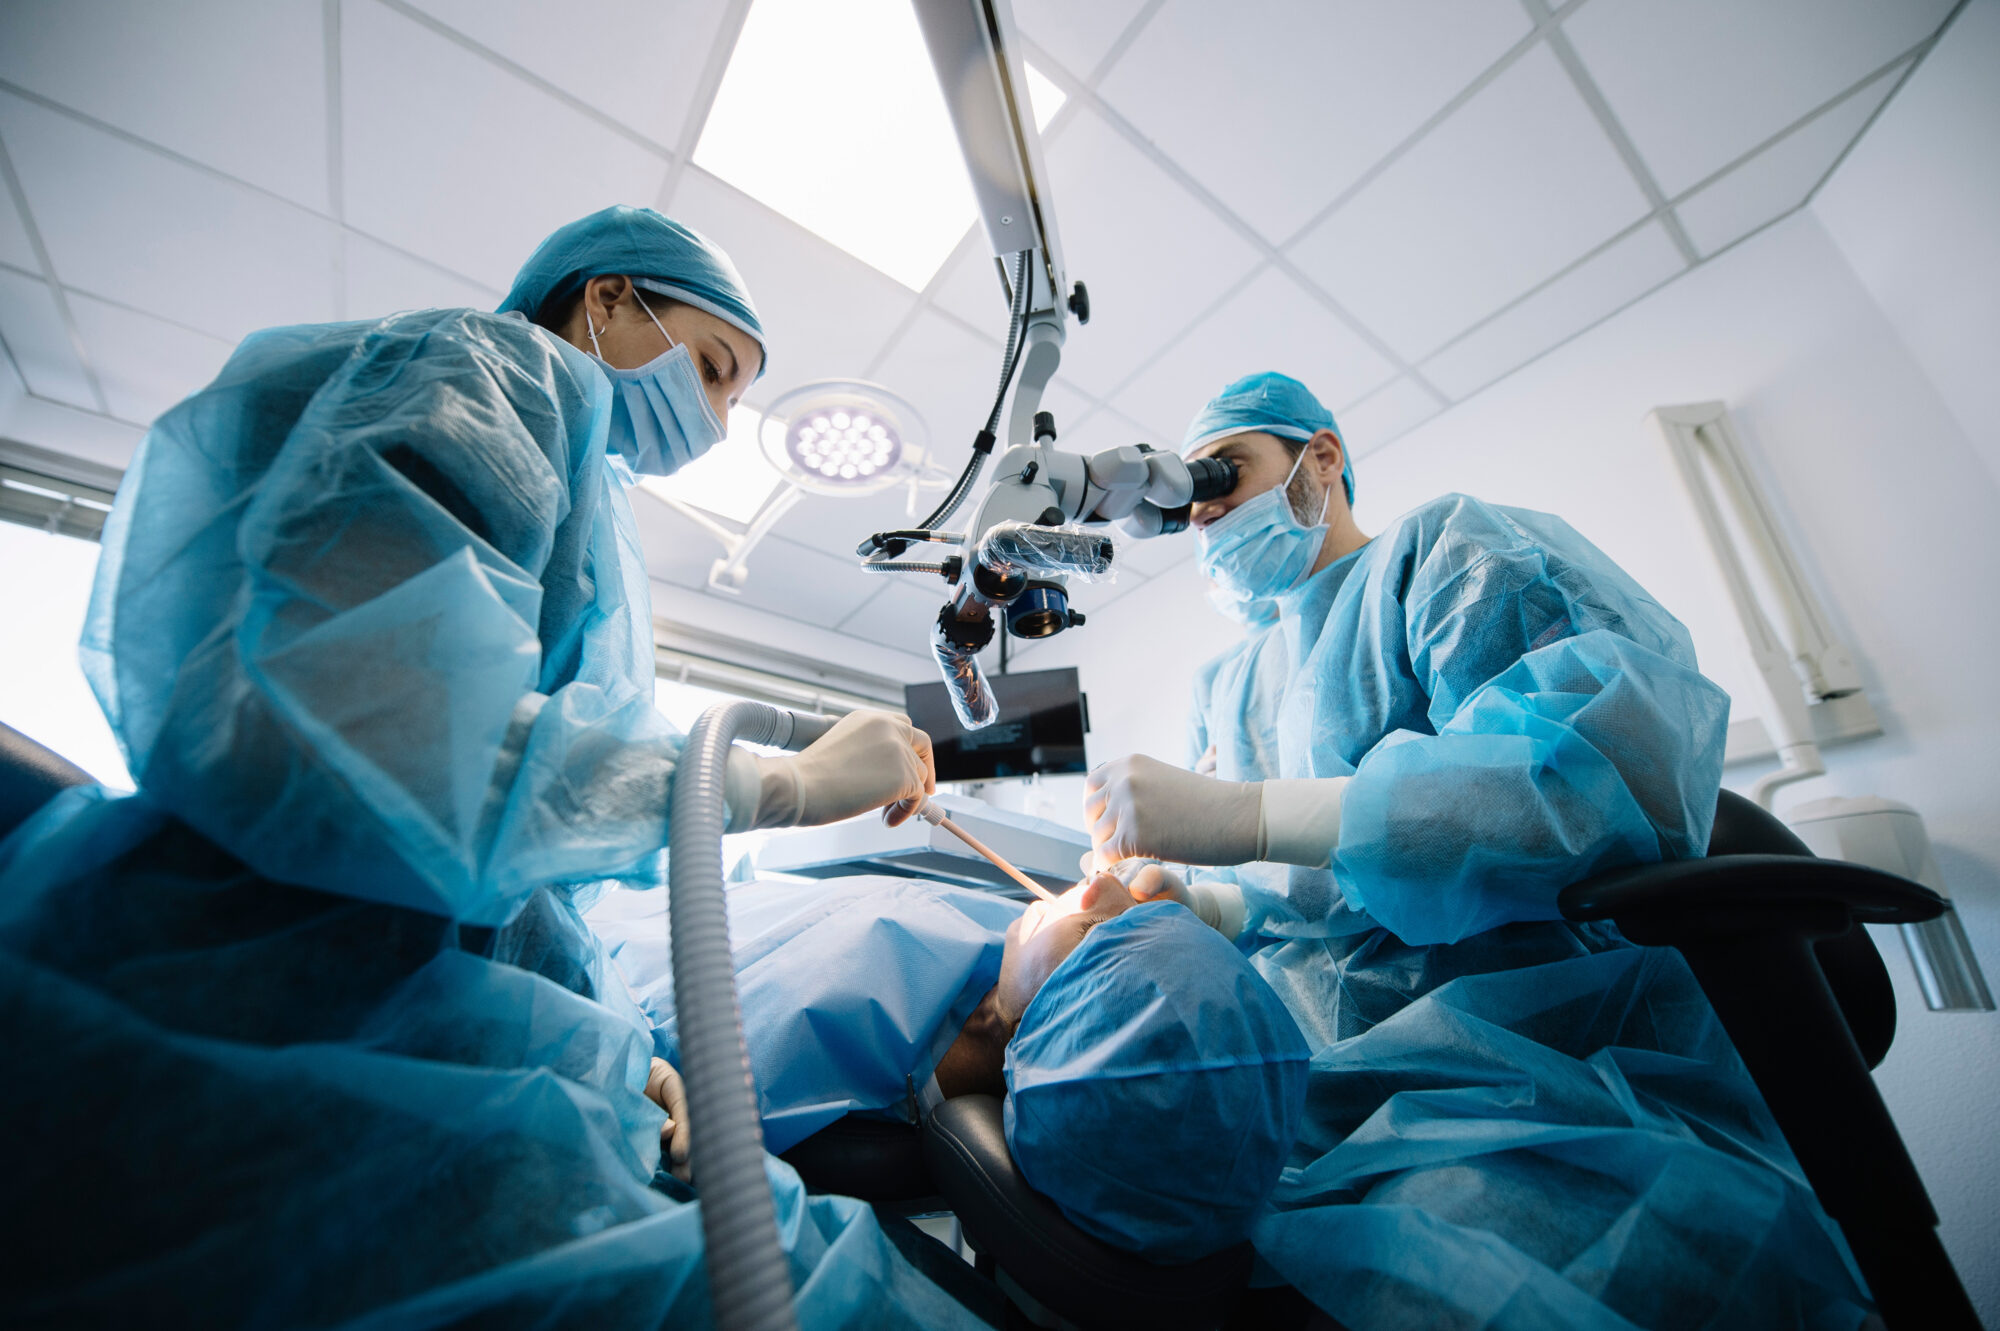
x=1251, y=613
x=661, y=420
x=1260, y=549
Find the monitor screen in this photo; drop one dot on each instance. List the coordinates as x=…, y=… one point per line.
x=1041, y=727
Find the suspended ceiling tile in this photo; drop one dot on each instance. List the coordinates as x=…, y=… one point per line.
x=237, y=84
x=825, y=312
x=14, y=246
x=900, y=615
x=1699, y=83
x=33, y=330
x=381, y=281
x=804, y=584
x=949, y=373
x=1077, y=35
x=1104, y=429
x=1272, y=324
x=970, y=287
x=677, y=549
x=165, y=237
x=453, y=158
x=1779, y=178
x=835, y=526
x=1517, y=184
x=145, y=364
x=667, y=44
x=1573, y=302
x=1280, y=105
x=1379, y=418
x=1151, y=254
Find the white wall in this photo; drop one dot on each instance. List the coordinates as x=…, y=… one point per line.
x=1916, y=209
x=1854, y=411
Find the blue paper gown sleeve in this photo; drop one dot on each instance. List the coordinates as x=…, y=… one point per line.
x=372, y=616
x=1573, y=735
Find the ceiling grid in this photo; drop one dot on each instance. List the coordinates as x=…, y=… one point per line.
x=1724, y=114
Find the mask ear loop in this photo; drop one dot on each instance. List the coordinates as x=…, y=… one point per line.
x=1326, y=500
x=671, y=344
x=592, y=328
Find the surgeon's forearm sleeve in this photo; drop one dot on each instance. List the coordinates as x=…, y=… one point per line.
x=1298, y=821
x=434, y=692
x=1589, y=753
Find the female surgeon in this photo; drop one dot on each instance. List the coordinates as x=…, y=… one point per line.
x=309, y=1029
x=1513, y=1121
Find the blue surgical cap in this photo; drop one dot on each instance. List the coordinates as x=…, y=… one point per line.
x=1155, y=1086
x=656, y=252
x=1273, y=403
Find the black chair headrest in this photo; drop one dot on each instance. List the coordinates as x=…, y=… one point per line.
x=1083, y=1279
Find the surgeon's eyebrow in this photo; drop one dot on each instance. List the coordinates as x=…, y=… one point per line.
x=734, y=365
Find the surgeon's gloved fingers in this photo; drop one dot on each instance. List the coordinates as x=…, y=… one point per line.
x=1140, y=806
x=867, y=760
x=665, y=1088
x=1155, y=883
x=1206, y=764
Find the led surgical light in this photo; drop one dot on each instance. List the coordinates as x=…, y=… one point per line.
x=844, y=437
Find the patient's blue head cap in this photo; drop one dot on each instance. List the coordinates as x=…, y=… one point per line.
x=1155, y=1086
x=657, y=252
x=1273, y=403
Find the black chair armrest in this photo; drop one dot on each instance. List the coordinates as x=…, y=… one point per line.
x=1728, y=893
x=1068, y=1271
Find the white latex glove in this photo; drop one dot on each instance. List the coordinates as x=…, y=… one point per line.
x=1142, y=806
x=664, y=1088
x=1205, y=765
x=1218, y=905
x=868, y=760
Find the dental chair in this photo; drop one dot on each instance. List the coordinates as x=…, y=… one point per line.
x=1773, y=934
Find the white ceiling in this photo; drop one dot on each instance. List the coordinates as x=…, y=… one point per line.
x=1398, y=204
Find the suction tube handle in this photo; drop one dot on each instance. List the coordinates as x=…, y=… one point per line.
x=780, y=729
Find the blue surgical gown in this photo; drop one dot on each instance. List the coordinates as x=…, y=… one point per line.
x=309, y=1031
x=851, y=990
x=1513, y=1121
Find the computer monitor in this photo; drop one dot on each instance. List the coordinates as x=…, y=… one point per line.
x=1043, y=719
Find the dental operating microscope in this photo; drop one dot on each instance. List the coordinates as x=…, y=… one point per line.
x=1043, y=520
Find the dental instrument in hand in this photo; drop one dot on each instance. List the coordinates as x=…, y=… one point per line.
x=936, y=817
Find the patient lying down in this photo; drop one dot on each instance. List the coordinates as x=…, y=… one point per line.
x=1153, y=1081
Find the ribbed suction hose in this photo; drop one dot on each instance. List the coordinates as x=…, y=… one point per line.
x=749, y=1280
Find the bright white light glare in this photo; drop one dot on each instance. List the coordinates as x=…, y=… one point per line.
x=731, y=480
x=42, y=690
x=831, y=114
x=1043, y=95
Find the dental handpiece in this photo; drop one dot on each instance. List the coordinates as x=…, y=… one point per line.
x=932, y=814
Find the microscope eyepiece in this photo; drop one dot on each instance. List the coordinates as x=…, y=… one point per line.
x=1212, y=478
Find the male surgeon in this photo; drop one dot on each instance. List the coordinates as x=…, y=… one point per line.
x=1513, y=1121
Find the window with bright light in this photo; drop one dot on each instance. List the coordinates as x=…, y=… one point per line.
x=732, y=480
x=43, y=597
x=831, y=114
